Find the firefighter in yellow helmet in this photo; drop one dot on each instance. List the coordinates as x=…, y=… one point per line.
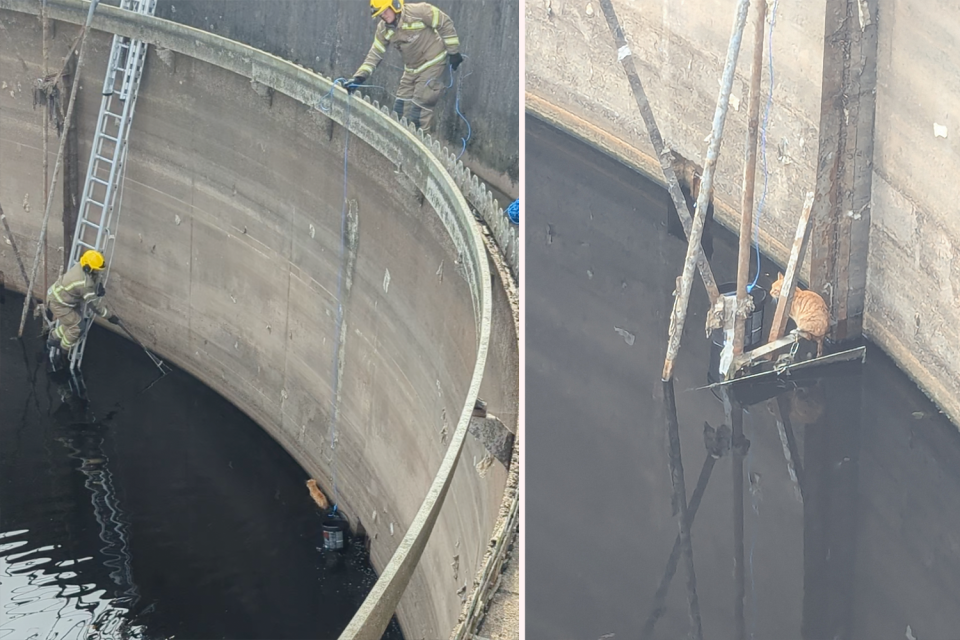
x=427, y=40
x=65, y=298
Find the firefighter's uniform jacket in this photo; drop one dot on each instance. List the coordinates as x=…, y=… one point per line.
x=65, y=300
x=425, y=36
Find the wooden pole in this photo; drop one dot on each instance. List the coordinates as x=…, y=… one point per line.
x=663, y=155
x=749, y=177
x=793, y=268
x=56, y=170
x=46, y=124
x=71, y=170
x=13, y=245
x=679, y=314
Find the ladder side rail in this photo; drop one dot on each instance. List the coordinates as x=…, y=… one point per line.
x=86, y=199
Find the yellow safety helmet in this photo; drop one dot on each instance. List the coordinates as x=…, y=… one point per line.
x=379, y=6
x=92, y=261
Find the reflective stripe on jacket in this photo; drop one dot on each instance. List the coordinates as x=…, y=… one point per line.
x=424, y=35
x=75, y=287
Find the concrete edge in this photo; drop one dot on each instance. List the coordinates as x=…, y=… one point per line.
x=646, y=164
x=505, y=234
x=390, y=138
x=486, y=582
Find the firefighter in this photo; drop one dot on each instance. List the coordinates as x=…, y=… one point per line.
x=427, y=40
x=65, y=298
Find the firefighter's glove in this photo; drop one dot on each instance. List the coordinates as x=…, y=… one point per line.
x=354, y=84
x=455, y=59
x=114, y=319
x=101, y=290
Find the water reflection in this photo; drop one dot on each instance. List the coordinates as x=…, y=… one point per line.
x=48, y=593
x=155, y=511
x=824, y=406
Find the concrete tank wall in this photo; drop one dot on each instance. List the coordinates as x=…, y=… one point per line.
x=333, y=36
x=227, y=262
x=574, y=80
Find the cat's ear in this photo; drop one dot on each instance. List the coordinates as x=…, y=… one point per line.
x=779, y=275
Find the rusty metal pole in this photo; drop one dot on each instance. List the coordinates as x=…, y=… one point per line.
x=56, y=169
x=625, y=55
x=679, y=314
x=749, y=177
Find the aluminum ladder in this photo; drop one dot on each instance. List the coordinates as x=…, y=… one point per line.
x=99, y=210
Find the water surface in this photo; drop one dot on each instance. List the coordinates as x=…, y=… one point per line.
x=159, y=513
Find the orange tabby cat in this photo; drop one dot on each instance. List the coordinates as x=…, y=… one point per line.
x=317, y=495
x=808, y=311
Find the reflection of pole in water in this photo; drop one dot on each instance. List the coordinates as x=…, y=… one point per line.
x=680, y=500
x=739, y=444
x=661, y=595
x=107, y=511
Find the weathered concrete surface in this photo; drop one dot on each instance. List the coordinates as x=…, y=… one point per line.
x=332, y=37
x=227, y=262
x=571, y=63
x=913, y=279
x=575, y=81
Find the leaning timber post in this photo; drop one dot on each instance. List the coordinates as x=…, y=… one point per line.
x=749, y=179
x=71, y=170
x=841, y=215
x=28, y=298
x=679, y=314
x=625, y=55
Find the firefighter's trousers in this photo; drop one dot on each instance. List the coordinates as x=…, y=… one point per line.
x=418, y=95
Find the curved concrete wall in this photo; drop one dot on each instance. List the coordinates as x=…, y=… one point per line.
x=227, y=262
x=574, y=80
x=332, y=37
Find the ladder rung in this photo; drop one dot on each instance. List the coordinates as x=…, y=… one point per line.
x=103, y=135
x=111, y=113
x=92, y=201
x=99, y=181
x=103, y=158
x=84, y=244
x=90, y=224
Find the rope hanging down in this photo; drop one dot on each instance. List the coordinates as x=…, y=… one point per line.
x=324, y=105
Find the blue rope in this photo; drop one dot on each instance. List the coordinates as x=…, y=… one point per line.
x=459, y=113
x=324, y=105
x=513, y=212
x=763, y=145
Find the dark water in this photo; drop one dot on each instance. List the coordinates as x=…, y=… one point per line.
x=840, y=521
x=161, y=514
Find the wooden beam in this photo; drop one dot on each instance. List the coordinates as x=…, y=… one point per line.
x=678, y=315
x=653, y=131
x=841, y=217
x=793, y=269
